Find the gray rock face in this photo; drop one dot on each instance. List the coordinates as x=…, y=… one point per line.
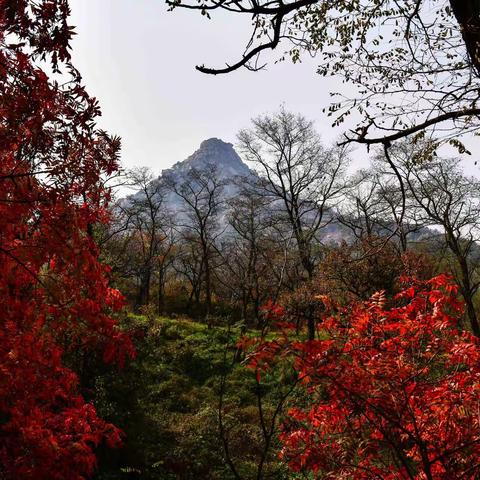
x=231, y=171
x=213, y=153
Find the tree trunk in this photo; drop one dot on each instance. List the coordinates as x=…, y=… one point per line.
x=143, y=295
x=465, y=283
x=467, y=294
x=196, y=293
x=309, y=268
x=208, y=286
x=161, y=290
x=467, y=13
x=472, y=316
x=244, y=306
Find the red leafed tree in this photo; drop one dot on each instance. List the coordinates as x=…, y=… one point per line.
x=54, y=293
x=393, y=393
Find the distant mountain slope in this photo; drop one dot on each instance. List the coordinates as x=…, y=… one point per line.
x=230, y=167
x=217, y=152
x=211, y=152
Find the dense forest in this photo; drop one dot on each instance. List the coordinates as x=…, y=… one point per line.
x=293, y=243
x=273, y=314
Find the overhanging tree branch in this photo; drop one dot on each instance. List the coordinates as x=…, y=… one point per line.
x=277, y=21
x=362, y=137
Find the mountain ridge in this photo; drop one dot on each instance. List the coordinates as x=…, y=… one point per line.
x=216, y=152
x=231, y=170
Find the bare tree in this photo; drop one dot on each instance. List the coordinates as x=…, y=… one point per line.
x=188, y=264
x=299, y=173
x=150, y=225
x=245, y=270
x=115, y=241
x=450, y=201
x=372, y=207
x=360, y=210
x=402, y=222
x=165, y=259
x=200, y=192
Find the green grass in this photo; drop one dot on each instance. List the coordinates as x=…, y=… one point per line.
x=167, y=400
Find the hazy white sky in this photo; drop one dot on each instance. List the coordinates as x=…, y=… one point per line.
x=139, y=60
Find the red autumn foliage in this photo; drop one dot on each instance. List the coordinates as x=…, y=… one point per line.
x=54, y=293
x=393, y=392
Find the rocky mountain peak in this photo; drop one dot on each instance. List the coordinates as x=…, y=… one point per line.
x=217, y=152
x=215, y=143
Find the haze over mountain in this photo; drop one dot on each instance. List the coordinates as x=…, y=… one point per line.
x=229, y=169
x=232, y=172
